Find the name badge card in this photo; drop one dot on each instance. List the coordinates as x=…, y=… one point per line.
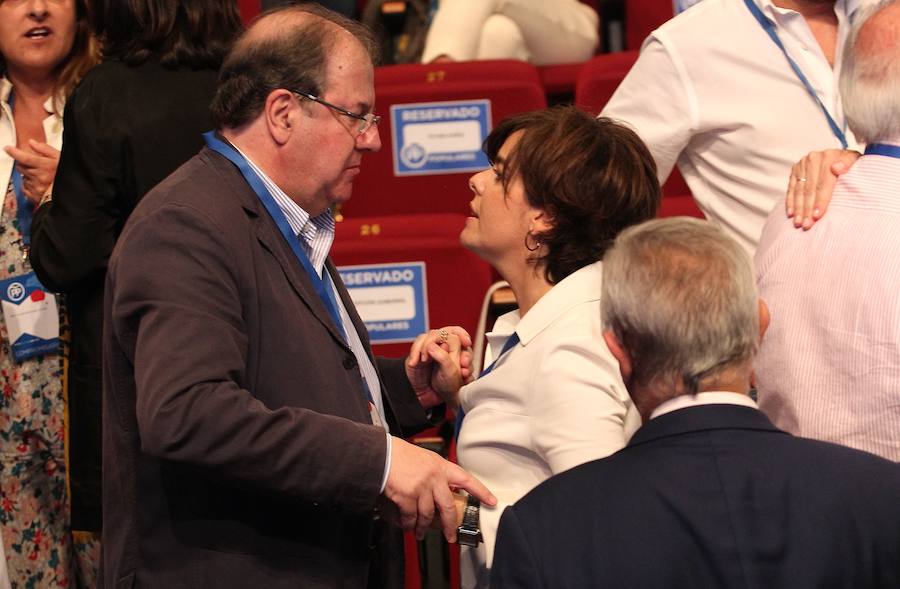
x=390, y=299
x=32, y=317
x=440, y=137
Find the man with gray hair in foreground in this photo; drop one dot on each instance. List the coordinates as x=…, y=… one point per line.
x=708, y=493
x=829, y=366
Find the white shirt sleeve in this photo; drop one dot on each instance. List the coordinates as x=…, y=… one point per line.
x=387, y=463
x=656, y=100
x=579, y=405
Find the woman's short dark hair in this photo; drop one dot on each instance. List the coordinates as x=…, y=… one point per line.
x=293, y=58
x=593, y=176
x=189, y=33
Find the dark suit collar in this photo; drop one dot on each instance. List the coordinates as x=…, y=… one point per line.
x=268, y=235
x=702, y=418
x=271, y=239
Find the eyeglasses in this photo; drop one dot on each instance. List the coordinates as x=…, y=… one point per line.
x=366, y=121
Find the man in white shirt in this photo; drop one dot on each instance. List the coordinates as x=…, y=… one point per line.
x=714, y=91
x=707, y=493
x=829, y=367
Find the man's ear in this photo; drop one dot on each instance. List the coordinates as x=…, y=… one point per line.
x=281, y=115
x=619, y=353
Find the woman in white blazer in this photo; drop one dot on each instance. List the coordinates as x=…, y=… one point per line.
x=562, y=185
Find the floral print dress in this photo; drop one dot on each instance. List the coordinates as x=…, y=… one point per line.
x=33, y=502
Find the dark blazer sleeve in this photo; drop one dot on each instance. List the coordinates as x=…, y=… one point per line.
x=73, y=235
x=514, y=565
x=179, y=310
x=411, y=416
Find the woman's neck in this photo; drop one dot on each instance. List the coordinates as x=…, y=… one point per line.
x=529, y=284
x=31, y=89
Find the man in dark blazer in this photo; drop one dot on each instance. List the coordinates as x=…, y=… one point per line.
x=245, y=419
x=708, y=493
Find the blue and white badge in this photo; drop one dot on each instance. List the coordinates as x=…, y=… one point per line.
x=390, y=299
x=32, y=317
x=440, y=137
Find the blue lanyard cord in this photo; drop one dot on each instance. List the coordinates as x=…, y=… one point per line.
x=24, y=207
x=256, y=183
x=883, y=149
x=510, y=344
x=769, y=27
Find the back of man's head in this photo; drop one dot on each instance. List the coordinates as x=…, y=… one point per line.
x=680, y=297
x=870, y=75
x=288, y=48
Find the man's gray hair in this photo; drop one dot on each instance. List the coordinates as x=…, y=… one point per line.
x=870, y=77
x=680, y=296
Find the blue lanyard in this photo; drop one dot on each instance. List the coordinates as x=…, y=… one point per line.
x=769, y=27
x=883, y=149
x=510, y=344
x=256, y=183
x=24, y=207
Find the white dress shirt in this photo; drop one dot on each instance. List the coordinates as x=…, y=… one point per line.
x=554, y=401
x=829, y=364
x=712, y=93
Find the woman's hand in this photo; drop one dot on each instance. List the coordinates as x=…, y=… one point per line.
x=812, y=183
x=439, y=363
x=37, y=166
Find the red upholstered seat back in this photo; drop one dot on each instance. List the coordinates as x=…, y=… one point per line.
x=455, y=278
x=510, y=86
x=642, y=17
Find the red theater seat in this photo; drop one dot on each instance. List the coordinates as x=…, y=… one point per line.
x=509, y=86
x=600, y=77
x=642, y=17
x=249, y=9
x=455, y=278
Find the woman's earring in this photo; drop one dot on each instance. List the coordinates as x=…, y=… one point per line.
x=537, y=243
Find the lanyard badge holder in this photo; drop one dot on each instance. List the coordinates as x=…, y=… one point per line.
x=30, y=311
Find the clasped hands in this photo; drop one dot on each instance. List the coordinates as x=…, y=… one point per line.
x=421, y=486
x=439, y=363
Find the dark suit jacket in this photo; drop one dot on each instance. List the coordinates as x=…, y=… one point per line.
x=238, y=446
x=710, y=496
x=125, y=129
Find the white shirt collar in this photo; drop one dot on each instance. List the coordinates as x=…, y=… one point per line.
x=316, y=233
x=708, y=398
x=581, y=286
x=6, y=89
x=842, y=8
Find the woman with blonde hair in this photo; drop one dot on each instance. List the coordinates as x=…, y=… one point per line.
x=45, y=49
